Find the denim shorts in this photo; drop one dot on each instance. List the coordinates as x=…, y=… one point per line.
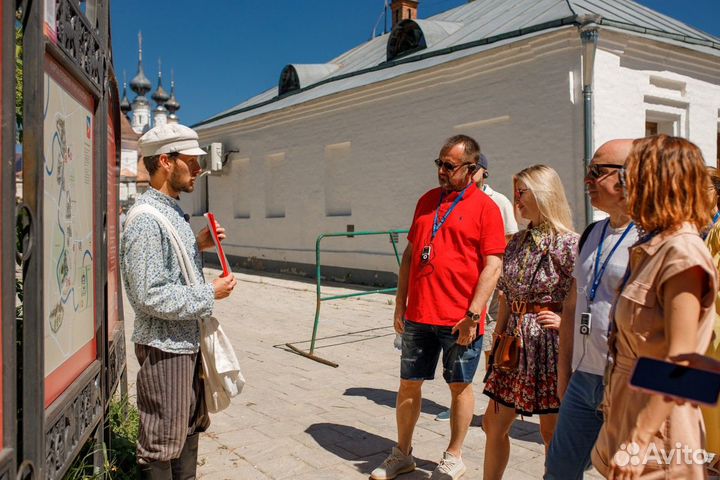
x=421, y=347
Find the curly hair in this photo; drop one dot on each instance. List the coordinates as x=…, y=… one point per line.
x=667, y=184
x=715, y=181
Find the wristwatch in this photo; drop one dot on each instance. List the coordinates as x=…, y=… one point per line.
x=475, y=317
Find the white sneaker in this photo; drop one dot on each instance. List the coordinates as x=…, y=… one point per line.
x=443, y=416
x=449, y=468
x=395, y=464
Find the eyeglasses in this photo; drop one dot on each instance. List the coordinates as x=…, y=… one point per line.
x=449, y=167
x=596, y=171
x=520, y=192
x=622, y=180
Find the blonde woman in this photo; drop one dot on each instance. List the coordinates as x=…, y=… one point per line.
x=537, y=276
x=664, y=309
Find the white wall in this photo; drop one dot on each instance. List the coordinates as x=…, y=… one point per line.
x=522, y=103
x=364, y=157
x=635, y=76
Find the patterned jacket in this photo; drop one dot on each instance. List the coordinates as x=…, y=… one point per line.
x=166, y=309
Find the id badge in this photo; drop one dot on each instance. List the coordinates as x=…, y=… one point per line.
x=425, y=254
x=585, y=322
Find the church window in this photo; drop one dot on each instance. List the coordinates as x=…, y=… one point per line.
x=200, y=197
x=406, y=38
x=274, y=188
x=337, y=180
x=289, y=80
x=242, y=191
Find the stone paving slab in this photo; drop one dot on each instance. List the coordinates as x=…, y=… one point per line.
x=299, y=419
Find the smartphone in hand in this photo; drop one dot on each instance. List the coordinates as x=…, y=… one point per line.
x=212, y=227
x=676, y=381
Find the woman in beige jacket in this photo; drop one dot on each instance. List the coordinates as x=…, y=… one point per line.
x=665, y=308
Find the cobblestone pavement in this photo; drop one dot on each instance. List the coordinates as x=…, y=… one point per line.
x=299, y=419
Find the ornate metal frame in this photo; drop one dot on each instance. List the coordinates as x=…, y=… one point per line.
x=70, y=421
x=115, y=361
x=78, y=40
x=47, y=444
x=8, y=450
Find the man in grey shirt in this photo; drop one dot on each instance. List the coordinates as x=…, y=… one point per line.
x=170, y=393
x=599, y=269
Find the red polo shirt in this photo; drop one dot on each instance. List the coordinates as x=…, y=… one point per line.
x=440, y=292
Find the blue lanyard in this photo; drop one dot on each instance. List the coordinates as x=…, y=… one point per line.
x=437, y=226
x=600, y=271
x=716, y=218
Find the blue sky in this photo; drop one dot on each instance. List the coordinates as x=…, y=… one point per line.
x=228, y=53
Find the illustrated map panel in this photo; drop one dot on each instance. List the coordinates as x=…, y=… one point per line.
x=68, y=225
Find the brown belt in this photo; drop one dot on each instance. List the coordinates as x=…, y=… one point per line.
x=522, y=308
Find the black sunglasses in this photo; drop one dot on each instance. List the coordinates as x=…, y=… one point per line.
x=597, y=170
x=449, y=167
x=622, y=180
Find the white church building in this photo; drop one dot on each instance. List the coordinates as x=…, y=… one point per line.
x=139, y=117
x=350, y=144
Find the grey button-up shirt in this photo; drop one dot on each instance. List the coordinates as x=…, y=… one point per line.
x=166, y=309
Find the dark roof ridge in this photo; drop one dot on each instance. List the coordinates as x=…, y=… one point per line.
x=624, y=15
x=572, y=20
x=571, y=7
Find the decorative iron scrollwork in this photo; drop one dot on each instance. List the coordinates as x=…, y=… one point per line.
x=80, y=415
x=116, y=362
x=112, y=370
x=79, y=42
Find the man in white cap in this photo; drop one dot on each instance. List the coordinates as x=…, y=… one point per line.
x=166, y=335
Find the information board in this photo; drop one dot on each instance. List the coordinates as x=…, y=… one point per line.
x=69, y=243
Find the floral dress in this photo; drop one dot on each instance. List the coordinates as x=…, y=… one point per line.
x=549, y=257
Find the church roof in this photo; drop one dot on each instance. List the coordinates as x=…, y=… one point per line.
x=125, y=106
x=467, y=30
x=172, y=104
x=140, y=83
x=160, y=95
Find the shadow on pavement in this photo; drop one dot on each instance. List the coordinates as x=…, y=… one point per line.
x=521, y=429
x=387, y=398
x=365, y=450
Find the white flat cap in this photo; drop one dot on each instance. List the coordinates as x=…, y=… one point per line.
x=170, y=138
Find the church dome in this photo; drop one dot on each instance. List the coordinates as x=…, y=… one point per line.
x=140, y=84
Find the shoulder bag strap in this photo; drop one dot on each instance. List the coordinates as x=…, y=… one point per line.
x=175, y=240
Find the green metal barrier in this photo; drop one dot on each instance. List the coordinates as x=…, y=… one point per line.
x=393, y=234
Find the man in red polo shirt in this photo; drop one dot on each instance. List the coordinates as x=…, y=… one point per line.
x=448, y=272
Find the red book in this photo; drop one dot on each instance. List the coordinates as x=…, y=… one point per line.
x=212, y=226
